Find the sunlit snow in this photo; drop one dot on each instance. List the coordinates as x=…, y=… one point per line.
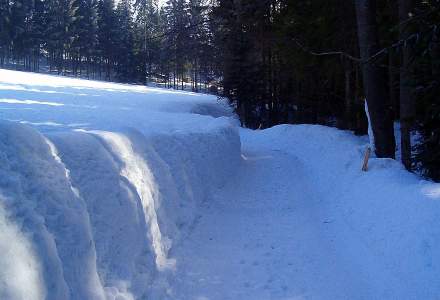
x=113, y=191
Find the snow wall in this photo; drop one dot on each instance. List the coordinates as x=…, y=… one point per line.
x=95, y=214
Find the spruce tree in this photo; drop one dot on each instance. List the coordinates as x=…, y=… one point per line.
x=61, y=16
x=5, y=30
x=84, y=29
x=147, y=20
x=124, y=42
x=106, y=37
x=426, y=78
x=177, y=18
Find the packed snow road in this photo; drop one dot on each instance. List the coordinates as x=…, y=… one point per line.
x=112, y=191
x=263, y=236
x=279, y=230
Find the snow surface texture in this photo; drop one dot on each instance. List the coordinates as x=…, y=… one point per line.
x=114, y=191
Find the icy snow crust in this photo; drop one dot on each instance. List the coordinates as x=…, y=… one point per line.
x=111, y=191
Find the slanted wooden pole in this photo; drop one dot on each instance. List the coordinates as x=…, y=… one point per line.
x=366, y=158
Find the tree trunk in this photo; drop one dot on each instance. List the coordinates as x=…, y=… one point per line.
x=393, y=79
x=348, y=124
x=374, y=79
x=407, y=106
x=435, y=55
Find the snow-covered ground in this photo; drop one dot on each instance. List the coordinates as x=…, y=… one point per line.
x=126, y=192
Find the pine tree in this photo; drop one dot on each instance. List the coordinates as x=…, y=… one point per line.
x=147, y=19
x=5, y=30
x=426, y=79
x=177, y=26
x=106, y=37
x=84, y=30
x=61, y=16
x=37, y=33
x=200, y=41
x=20, y=18
x=124, y=46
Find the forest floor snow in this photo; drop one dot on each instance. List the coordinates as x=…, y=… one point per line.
x=111, y=191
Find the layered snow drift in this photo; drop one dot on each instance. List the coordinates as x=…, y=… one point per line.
x=40, y=199
x=94, y=199
x=96, y=212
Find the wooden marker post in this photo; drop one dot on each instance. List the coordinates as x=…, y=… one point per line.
x=366, y=158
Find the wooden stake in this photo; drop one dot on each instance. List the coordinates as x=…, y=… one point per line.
x=366, y=158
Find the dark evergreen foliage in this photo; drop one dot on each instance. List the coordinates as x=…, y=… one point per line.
x=426, y=83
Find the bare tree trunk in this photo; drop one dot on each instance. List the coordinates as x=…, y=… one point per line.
x=407, y=106
x=374, y=79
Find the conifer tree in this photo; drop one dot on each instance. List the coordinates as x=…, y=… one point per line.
x=147, y=19
x=124, y=40
x=106, y=37
x=84, y=28
x=5, y=30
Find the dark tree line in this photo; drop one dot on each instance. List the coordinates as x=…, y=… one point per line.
x=277, y=61
x=126, y=41
x=288, y=61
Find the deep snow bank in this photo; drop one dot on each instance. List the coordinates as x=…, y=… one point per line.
x=101, y=182
x=95, y=213
x=386, y=220
x=41, y=203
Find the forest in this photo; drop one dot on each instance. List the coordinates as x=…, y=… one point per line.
x=277, y=61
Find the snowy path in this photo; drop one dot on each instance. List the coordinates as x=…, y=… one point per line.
x=263, y=237
x=118, y=182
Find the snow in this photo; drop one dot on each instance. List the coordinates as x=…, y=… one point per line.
x=382, y=223
x=59, y=104
x=21, y=270
x=370, y=129
x=111, y=191
x=103, y=194
x=301, y=221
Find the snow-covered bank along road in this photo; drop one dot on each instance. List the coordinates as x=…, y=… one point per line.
x=98, y=181
x=112, y=191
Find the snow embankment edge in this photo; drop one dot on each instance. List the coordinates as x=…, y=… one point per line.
x=95, y=214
